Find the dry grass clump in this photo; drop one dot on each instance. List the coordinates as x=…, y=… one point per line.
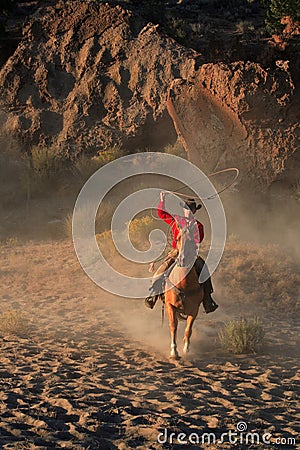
x=11, y=168
x=67, y=225
x=260, y=274
x=41, y=168
x=12, y=241
x=139, y=230
x=85, y=214
x=14, y=322
x=104, y=215
x=176, y=149
x=242, y=336
x=106, y=245
x=84, y=166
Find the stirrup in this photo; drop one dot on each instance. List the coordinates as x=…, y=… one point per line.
x=211, y=307
x=150, y=301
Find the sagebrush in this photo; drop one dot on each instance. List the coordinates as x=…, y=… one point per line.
x=14, y=322
x=242, y=335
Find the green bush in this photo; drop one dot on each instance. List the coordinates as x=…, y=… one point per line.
x=277, y=9
x=242, y=336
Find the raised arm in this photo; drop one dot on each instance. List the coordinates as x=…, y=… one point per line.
x=201, y=231
x=164, y=215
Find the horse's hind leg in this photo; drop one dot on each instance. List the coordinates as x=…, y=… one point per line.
x=187, y=333
x=173, y=322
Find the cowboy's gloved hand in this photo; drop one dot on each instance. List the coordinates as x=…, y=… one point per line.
x=162, y=196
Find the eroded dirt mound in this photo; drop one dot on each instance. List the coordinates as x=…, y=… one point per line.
x=240, y=114
x=87, y=75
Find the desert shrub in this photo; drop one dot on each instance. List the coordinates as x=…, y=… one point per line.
x=41, y=167
x=45, y=161
x=140, y=228
x=13, y=322
x=176, y=149
x=178, y=28
x=110, y=154
x=104, y=215
x=242, y=336
x=84, y=165
x=84, y=217
x=277, y=9
x=11, y=170
x=102, y=219
x=12, y=241
x=67, y=225
x=106, y=244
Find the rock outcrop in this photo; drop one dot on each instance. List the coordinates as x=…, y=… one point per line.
x=87, y=76
x=240, y=115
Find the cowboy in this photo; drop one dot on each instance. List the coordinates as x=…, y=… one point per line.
x=176, y=223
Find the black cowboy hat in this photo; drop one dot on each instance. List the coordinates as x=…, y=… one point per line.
x=190, y=204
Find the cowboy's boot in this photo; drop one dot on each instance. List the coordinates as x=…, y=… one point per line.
x=209, y=304
x=155, y=291
x=150, y=301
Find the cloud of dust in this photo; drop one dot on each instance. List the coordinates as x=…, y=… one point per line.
x=261, y=221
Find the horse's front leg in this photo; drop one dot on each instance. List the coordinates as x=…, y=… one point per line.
x=188, y=333
x=173, y=322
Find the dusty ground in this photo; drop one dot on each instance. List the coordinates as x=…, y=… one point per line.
x=94, y=372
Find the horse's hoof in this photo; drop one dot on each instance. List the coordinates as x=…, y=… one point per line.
x=174, y=357
x=186, y=351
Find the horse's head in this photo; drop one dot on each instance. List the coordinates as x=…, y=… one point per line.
x=187, y=248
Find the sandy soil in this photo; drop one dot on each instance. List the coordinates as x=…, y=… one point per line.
x=94, y=371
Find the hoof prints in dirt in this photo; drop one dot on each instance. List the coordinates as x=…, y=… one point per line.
x=79, y=383
x=88, y=395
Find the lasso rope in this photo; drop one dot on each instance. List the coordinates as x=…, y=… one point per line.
x=237, y=172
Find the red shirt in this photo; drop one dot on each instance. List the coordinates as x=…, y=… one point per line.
x=174, y=221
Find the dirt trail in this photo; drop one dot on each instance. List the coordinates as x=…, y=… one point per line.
x=94, y=372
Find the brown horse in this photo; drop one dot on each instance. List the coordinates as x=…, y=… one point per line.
x=183, y=293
